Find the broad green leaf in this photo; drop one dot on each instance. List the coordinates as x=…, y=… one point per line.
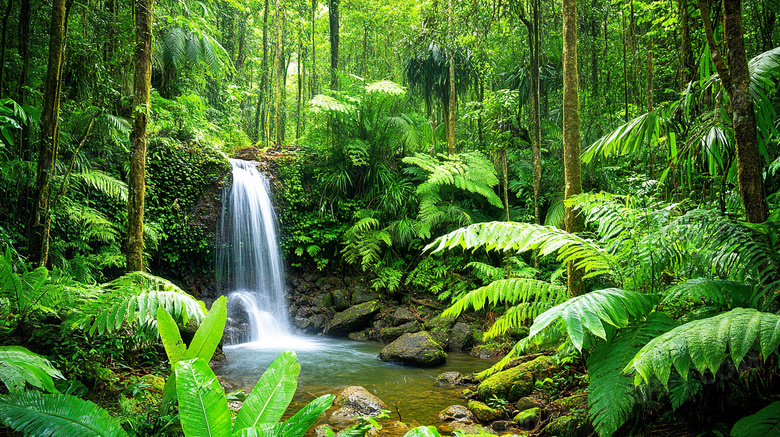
x=170, y=335
x=208, y=335
x=305, y=418
x=272, y=393
x=423, y=431
x=765, y=423
x=202, y=406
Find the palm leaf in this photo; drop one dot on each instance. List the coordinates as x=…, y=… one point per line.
x=702, y=344
x=37, y=415
x=202, y=406
x=272, y=393
x=765, y=423
x=588, y=313
x=611, y=397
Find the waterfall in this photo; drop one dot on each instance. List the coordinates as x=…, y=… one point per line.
x=249, y=265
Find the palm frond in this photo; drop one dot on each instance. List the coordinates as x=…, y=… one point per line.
x=702, y=344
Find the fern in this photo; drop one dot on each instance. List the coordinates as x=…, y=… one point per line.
x=704, y=344
x=589, y=312
x=19, y=366
x=764, y=423
x=364, y=241
x=37, y=415
x=385, y=87
x=133, y=299
x=520, y=237
x=611, y=397
x=103, y=183
x=714, y=292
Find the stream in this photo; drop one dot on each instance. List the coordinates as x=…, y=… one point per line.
x=329, y=365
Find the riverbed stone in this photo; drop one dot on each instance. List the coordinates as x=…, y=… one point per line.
x=361, y=294
x=578, y=401
x=415, y=349
x=528, y=419
x=484, y=413
x=457, y=413
x=313, y=324
x=569, y=426
x=449, y=378
x=355, y=401
x=329, y=283
x=403, y=315
x=517, y=382
x=391, y=333
x=470, y=429
x=340, y=299
x=526, y=402
x=353, y=319
x=460, y=337
x=392, y=429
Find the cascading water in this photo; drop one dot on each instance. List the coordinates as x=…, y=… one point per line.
x=249, y=265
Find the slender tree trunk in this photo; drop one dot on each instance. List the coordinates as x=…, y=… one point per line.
x=625, y=64
x=313, y=85
x=3, y=40
x=263, y=79
x=299, y=96
x=333, y=16
x=40, y=226
x=453, y=97
x=24, y=54
x=571, y=131
x=767, y=25
x=241, y=43
x=686, y=52
x=142, y=79
x=536, y=147
x=278, y=63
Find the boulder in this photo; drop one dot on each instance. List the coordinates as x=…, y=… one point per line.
x=569, y=426
x=313, y=324
x=403, y=315
x=484, y=413
x=500, y=425
x=440, y=327
x=323, y=300
x=449, y=378
x=392, y=429
x=356, y=401
x=525, y=403
x=340, y=299
x=457, y=413
x=416, y=349
x=517, y=382
x=329, y=283
x=391, y=333
x=361, y=294
x=469, y=429
x=575, y=402
x=528, y=419
x=460, y=337
x=353, y=319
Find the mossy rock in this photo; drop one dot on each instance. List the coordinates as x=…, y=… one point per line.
x=568, y=426
x=340, y=299
x=528, y=419
x=575, y=402
x=525, y=403
x=353, y=319
x=362, y=294
x=440, y=322
x=415, y=349
x=484, y=413
x=511, y=385
x=391, y=333
x=460, y=337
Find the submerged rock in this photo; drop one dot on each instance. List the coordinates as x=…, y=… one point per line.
x=469, y=429
x=457, y=413
x=356, y=401
x=353, y=319
x=392, y=429
x=415, y=349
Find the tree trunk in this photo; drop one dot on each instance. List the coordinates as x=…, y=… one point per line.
x=453, y=97
x=40, y=226
x=333, y=16
x=278, y=63
x=299, y=96
x=686, y=52
x=749, y=167
x=3, y=39
x=263, y=79
x=571, y=132
x=141, y=85
x=24, y=54
x=313, y=85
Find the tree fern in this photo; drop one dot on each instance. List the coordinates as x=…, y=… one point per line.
x=715, y=292
x=19, y=367
x=521, y=237
x=612, y=397
x=103, y=183
x=704, y=344
x=587, y=313
x=36, y=415
x=765, y=423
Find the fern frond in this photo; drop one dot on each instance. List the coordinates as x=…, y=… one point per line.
x=715, y=292
x=612, y=397
x=589, y=312
x=385, y=87
x=467, y=171
x=37, y=415
x=485, y=272
x=104, y=183
x=702, y=344
x=522, y=237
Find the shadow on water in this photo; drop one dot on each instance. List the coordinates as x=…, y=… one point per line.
x=329, y=365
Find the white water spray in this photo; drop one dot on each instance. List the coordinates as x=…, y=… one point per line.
x=249, y=265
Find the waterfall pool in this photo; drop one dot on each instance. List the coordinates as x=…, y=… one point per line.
x=329, y=365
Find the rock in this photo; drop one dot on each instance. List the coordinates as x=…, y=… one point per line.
x=456, y=412
x=484, y=352
x=449, y=378
x=468, y=394
x=353, y=319
x=323, y=300
x=475, y=430
x=485, y=413
x=440, y=327
x=356, y=400
x=393, y=332
x=569, y=426
x=310, y=277
x=525, y=403
x=415, y=349
x=528, y=419
x=361, y=294
x=322, y=431
x=403, y=315
x=576, y=402
x=392, y=429
x=500, y=425
x=329, y=283
x=517, y=382
x=340, y=299
x=358, y=336
x=460, y=337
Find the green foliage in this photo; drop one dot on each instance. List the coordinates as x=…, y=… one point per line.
x=712, y=292
x=20, y=367
x=764, y=423
x=55, y=415
x=423, y=431
x=612, y=396
x=363, y=241
x=704, y=344
x=202, y=407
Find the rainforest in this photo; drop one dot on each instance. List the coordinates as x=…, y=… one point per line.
x=415, y=218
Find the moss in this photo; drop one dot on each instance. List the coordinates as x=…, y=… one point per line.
x=484, y=413
x=569, y=426
x=528, y=419
x=517, y=382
